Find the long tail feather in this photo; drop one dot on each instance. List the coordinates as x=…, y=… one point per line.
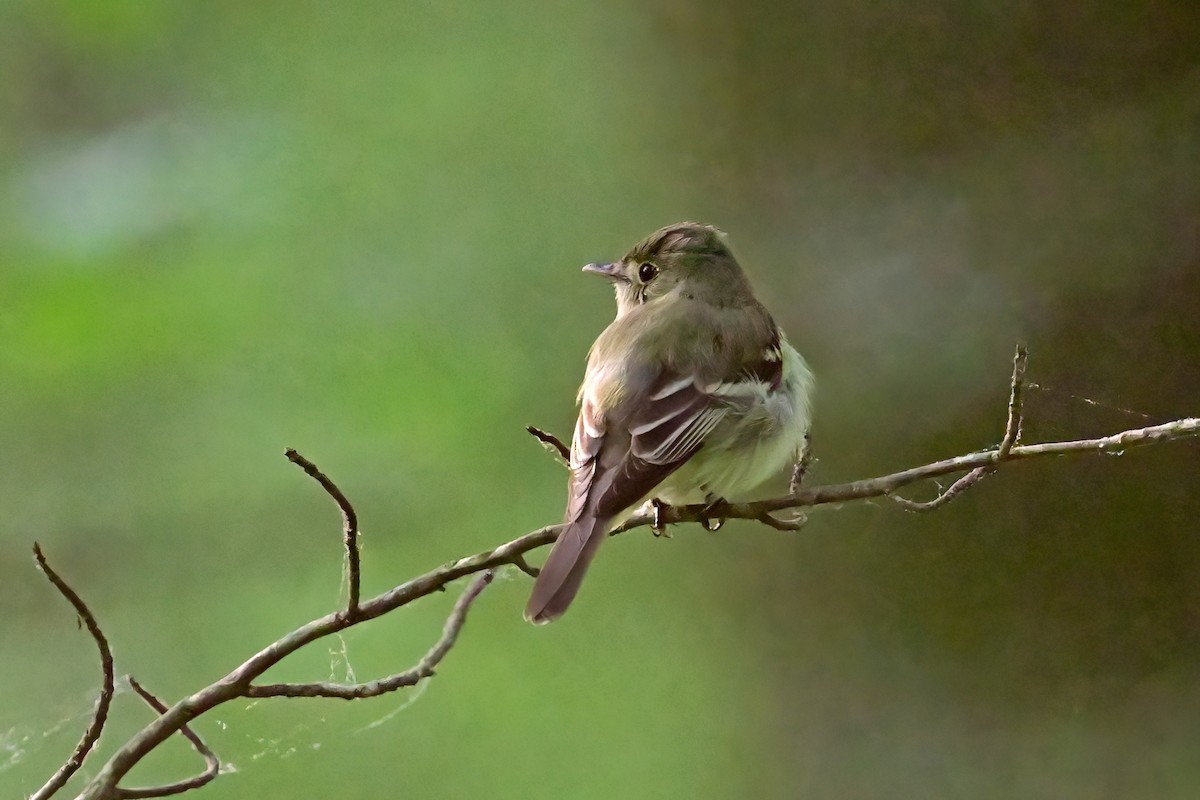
x=560, y=578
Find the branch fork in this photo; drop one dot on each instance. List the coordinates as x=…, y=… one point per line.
x=240, y=683
x=1012, y=435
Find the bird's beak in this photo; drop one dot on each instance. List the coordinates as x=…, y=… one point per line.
x=610, y=271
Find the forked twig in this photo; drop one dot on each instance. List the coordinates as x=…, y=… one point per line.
x=212, y=765
x=423, y=669
x=240, y=682
x=1012, y=434
x=954, y=490
x=520, y=563
x=105, y=785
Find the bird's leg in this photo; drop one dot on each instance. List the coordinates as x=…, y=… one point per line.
x=803, y=462
x=713, y=515
x=658, y=527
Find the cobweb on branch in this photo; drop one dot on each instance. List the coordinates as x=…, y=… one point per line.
x=20, y=742
x=13, y=744
x=1106, y=406
x=303, y=737
x=340, y=668
x=412, y=697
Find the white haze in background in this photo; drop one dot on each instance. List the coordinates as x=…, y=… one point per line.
x=85, y=197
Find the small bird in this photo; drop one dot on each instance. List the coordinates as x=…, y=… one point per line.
x=691, y=395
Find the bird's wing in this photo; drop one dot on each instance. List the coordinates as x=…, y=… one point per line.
x=616, y=462
x=590, y=430
x=618, y=457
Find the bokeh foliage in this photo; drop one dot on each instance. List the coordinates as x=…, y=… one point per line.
x=355, y=229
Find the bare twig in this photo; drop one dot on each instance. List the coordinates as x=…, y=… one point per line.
x=1012, y=434
x=212, y=764
x=885, y=485
x=107, y=687
x=240, y=682
x=551, y=443
x=955, y=489
x=782, y=524
x=1012, y=429
x=520, y=563
x=349, y=526
x=423, y=669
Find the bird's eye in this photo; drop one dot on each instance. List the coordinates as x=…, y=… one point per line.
x=646, y=272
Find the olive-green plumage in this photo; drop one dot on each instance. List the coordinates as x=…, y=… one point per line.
x=691, y=394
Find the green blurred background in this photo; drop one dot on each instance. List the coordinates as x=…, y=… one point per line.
x=227, y=228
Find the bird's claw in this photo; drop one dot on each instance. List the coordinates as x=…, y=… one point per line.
x=713, y=515
x=658, y=527
x=800, y=468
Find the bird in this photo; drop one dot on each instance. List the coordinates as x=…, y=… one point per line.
x=691, y=395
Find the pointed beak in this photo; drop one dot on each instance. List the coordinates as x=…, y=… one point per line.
x=610, y=271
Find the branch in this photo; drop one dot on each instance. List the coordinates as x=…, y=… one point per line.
x=423, y=669
x=240, y=682
x=958, y=487
x=92, y=734
x=1016, y=403
x=781, y=524
x=1012, y=433
x=349, y=526
x=887, y=484
x=212, y=765
x=551, y=443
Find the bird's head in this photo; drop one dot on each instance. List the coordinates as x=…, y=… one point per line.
x=687, y=259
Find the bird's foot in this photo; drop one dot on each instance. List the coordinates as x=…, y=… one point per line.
x=800, y=468
x=658, y=527
x=713, y=515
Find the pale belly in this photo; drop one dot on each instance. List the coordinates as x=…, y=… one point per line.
x=746, y=450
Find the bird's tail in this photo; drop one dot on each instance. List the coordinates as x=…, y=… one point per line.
x=563, y=572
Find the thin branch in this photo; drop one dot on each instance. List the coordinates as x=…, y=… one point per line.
x=1012, y=429
x=92, y=734
x=423, y=669
x=1012, y=434
x=782, y=524
x=233, y=685
x=958, y=487
x=887, y=484
x=520, y=563
x=212, y=765
x=239, y=682
x=551, y=443
x=349, y=527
